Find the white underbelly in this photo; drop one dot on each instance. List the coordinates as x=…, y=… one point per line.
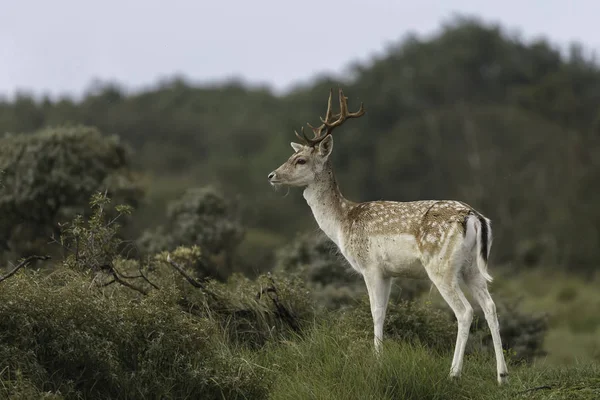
x=398, y=256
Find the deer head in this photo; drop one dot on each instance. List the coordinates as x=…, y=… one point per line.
x=309, y=160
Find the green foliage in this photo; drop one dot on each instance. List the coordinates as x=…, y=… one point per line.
x=315, y=260
x=203, y=217
x=49, y=176
x=72, y=341
x=102, y=326
x=94, y=242
x=411, y=322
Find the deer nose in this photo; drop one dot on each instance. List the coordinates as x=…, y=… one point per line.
x=271, y=175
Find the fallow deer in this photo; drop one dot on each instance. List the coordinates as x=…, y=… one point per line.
x=445, y=241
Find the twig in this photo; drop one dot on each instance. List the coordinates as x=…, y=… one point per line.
x=64, y=246
x=282, y=311
x=119, y=275
x=192, y=281
x=108, y=283
x=127, y=284
x=143, y=276
x=130, y=246
x=22, y=264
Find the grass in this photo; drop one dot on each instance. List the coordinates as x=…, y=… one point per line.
x=327, y=364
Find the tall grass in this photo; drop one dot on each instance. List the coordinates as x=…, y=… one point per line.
x=330, y=364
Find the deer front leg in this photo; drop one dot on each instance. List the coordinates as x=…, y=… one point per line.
x=379, y=288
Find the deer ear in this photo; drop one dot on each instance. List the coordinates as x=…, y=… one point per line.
x=326, y=146
x=296, y=146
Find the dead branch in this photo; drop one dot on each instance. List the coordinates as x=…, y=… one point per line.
x=144, y=277
x=22, y=264
x=194, y=282
x=127, y=284
x=140, y=275
x=108, y=283
x=118, y=278
x=282, y=311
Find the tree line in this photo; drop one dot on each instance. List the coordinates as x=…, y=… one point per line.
x=473, y=113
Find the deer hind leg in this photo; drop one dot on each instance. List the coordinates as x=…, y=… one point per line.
x=478, y=287
x=379, y=288
x=454, y=296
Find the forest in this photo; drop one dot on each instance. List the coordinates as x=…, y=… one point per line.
x=145, y=254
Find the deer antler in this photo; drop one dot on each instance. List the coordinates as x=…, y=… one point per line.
x=331, y=121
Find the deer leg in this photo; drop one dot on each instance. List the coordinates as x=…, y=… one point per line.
x=479, y=289
x=451, y=292
x=379, y=288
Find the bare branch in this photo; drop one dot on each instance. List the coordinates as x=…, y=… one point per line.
x=64, y=246
x=129, y=247
x=282, y=311
x=22, y=264
x=127, y=284
x=192, y=281
x=143, y=276
x=107, y=283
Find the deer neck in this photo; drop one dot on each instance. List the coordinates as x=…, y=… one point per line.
x=327, y=203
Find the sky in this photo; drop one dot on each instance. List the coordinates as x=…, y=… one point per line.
x=61, y=46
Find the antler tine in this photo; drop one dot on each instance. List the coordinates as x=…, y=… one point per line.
x=329, y=112
x=307, y=139
x=344, y=113
x=329, y=124
x=343, y=105
x=328, y=117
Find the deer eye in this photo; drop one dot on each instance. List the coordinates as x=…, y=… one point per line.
x=301, y=161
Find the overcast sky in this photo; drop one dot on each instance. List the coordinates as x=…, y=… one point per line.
x=60, y=46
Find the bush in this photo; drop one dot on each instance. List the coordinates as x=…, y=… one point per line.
x=203, y=217
x=50, y=175
x=69, y=339
x=406, y=321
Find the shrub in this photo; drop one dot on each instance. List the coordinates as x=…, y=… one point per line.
x=48, y=176
x=203, y=217
x=406, y=321
x=67, y=338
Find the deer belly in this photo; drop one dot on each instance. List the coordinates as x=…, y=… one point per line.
x=398, y=255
